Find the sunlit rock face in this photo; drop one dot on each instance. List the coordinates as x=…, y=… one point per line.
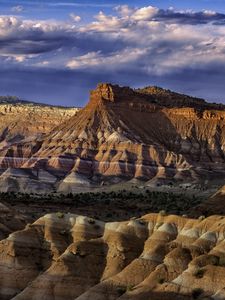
x=149, y=134
x=66, y=256
x=26, y=120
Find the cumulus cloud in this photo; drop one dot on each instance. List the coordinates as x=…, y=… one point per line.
x=124, y=10
x=75, y=17
x=24, y=37
x=145, y=41
x=115, y=60
x=145, y=13
x=148, y=38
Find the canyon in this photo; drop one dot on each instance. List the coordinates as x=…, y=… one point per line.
x=151, y=135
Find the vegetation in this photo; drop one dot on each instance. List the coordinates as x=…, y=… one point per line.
x=107, y=206
x=199, y=273
x=222, y=261
x=162, y=213
x=130, y=287
x=60, y=215
x=9, y=99
x=196, y=293
x=161, y=280
x=121, y=290
x=91, y=221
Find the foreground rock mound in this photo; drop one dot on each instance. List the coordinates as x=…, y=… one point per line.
x=154, y=257
x=148, y=134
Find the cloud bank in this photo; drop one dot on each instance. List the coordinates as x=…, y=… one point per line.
x=136, y=46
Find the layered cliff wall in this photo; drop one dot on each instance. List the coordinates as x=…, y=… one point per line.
x=123, y=134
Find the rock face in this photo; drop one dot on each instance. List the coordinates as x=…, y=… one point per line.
x=156, y=257
x=150, y=134
x=22, y=127
x=10, y=220
x=21, y=120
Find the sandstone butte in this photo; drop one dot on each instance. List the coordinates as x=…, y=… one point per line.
x=148, y=134
x=156, y=257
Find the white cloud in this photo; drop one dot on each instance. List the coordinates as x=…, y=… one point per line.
x=115, y=60
x=145, y=40
x=17, y=9
x=124, y=10
x=209, y=12
x=20, y=58
x=75, y=18
x=145, y=13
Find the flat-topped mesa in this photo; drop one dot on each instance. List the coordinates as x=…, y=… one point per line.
x=112, y=93
x=152, y=95
x=170, y=99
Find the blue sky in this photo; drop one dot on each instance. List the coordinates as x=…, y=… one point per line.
x=88, y=8
x=56, y=51
x=60, y=9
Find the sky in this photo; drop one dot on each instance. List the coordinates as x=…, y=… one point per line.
x=57, y=51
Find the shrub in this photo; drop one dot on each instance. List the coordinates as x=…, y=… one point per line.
x=60, y=215
x=196, y=293
x=109, y=215
x=130, y=287
x=161, y=280
x=222, y=261
x=199, y=273
x=162, y=213
x=63, y=232
x=91, y=221
x=215, y=260
x=121, y=290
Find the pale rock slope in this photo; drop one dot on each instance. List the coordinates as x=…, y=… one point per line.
x=155, y=257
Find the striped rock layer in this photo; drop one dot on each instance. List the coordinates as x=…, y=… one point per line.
x=155, y=257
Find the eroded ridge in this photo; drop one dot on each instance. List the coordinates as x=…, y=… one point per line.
x=153, y=257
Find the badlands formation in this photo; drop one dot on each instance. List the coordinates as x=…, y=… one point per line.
x=122, y=134
x=23, y=120
x=156, y=257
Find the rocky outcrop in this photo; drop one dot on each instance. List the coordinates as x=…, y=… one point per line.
x=10, y=220
x=27, y=120
x=122, y=134
x=154, y=257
